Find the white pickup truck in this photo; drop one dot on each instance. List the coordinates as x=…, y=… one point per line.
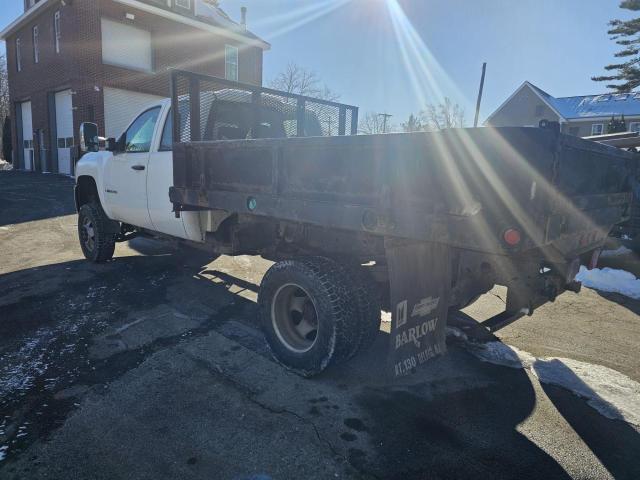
x=125, y=188
x=415, y=223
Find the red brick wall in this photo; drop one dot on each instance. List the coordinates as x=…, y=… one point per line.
x=79, y=65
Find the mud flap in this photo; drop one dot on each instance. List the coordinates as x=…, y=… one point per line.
x=420, y=283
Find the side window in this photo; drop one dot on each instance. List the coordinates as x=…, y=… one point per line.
x=231, y=62
x=140, y=134
x=166, y=144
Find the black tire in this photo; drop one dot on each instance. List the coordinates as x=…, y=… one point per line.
x=96, y=242
x=321, y=291
x=368, y=306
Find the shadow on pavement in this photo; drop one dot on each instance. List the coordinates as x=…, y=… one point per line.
x=432, y=428
x=615, y=443
x=28, y=196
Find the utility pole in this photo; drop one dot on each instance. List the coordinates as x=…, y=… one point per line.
x=384, y=116
x=484, y=69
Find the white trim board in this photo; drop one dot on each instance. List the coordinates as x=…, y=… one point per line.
x=9, y=29
x=195, y=23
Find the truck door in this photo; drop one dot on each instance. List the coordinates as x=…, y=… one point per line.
x=126, y=192
x=159, y=179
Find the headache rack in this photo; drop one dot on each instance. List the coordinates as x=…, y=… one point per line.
x=206, y=108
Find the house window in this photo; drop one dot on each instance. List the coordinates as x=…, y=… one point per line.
x=184, y=4
x=56, y=30
x=231, y=62
x=634, y=127
x=36, y=49
x=18, y=55
x=539, y=110
x=597, y=129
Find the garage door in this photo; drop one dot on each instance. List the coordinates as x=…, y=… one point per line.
x=27, y=135
x=126, y=46
x=120, y=106
x=64, y=128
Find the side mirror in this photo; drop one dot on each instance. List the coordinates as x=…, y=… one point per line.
x=89, y=140
x=111, y=144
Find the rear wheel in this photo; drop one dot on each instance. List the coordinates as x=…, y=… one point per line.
x=96, y=242
x=368, y=306
x=307, y=314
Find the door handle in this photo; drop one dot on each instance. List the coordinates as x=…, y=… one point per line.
x=137, y=167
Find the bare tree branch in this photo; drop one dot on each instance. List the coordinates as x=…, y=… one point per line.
x=373, y=123
x=302, y=81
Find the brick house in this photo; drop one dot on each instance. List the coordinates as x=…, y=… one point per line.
x=71, y=61
x=581, y=115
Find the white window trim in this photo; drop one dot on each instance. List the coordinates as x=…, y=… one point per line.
x=36, y=47
x=227, y=61
x=57, y=33
x=593, y=127
x=18, y=54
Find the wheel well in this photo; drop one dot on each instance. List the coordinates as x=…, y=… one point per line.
x=86, y=191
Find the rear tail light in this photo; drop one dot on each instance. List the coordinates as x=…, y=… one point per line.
x=511, y=237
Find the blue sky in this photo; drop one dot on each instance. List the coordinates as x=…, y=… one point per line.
x=353, y=45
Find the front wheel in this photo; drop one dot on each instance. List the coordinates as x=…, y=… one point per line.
x=96, y=242
x=307, y=314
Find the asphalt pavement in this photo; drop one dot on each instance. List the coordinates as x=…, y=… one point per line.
x=152, y=366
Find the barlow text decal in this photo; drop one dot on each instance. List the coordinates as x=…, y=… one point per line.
x=420, y=279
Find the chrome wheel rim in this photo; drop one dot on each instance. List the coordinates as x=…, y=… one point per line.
x=88, y=234
x=294, y=318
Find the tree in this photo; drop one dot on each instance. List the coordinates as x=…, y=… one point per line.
x=413, y=124
x=626, y=34
x=4, y=99
x=441, y=116
x=373, y=123
x=615, y=126
x=302, y=81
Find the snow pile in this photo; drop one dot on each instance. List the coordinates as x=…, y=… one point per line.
x=611, y=393
x=4, y=165
x=618, y=252
x=610, y=280
x=501, y=354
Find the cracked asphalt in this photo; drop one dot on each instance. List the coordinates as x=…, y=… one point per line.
x=152, y=367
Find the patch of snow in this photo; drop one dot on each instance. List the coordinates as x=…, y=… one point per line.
x=4, y=165
x=618, y=252
x=611, y=393
x=610, y=280
x=3, y=452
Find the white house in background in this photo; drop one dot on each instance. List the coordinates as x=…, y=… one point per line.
x=581, y=115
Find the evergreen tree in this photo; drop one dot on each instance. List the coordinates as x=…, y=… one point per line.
x=413, y=124
x=616, y=126
x=626, y=34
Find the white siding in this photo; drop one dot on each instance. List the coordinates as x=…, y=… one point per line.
x=126, y=46
x=120, y=106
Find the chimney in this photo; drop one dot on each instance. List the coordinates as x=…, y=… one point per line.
x=243, y=17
